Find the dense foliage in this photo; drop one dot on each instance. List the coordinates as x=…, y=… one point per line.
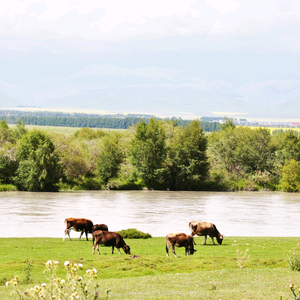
x=154, y=154
x=39, y=165
x=133, y=233
x=92, y=121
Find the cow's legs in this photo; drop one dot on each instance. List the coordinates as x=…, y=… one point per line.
x=212, y=238
x=86, y=234
x=173, y=250
x=96, y=246
x=67, y=232
x=119, y=251
x=80, y=235
x=205, y=237
x=113, y=247
x=167, y=249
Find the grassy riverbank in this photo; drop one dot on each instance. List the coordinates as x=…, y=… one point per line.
x=213, y=272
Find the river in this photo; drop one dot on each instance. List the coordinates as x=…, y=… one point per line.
x=26, y=214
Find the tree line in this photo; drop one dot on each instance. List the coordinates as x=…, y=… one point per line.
x=95, y=122
x=156, y=154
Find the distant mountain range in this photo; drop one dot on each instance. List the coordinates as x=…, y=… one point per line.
x=158, y=91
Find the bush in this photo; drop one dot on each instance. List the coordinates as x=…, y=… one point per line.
x=133, y=233
x=293, y=257
x=7, y=187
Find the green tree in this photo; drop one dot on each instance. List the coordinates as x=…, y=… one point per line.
x=148, y=151
x=291, y=176
x=19, y=130
x=187, y=163
x=289, y=147
x=8, y=163
x=74, y=157
x=242, y=150
x=227, y=123
x=110, y=158
x=39, y=165
x=5, y=133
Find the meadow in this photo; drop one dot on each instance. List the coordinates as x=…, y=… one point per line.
x=240, y=268
x=63, y=129
x=277, y=129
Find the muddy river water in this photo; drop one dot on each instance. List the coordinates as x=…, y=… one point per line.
x=25, y=214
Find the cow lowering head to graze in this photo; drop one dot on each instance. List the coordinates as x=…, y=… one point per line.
x=78, y=224
x=102, y=227
x=180, y=240
x=205, y=229
x=108, y=238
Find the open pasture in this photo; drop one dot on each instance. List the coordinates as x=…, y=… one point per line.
x=63, y=129
x=213, y=272
x=272, y=129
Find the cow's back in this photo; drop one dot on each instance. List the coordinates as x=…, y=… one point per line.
x=201, y=228
x=80, y=224
x=102, y=227
x=177, y=239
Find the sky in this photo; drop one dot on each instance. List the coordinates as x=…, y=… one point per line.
x=207, y=25
x=220, y=43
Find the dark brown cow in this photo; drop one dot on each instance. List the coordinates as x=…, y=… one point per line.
x=108, y=238
x=102, y=227
x=205, y=229
x=78, y=224
x=180, y=240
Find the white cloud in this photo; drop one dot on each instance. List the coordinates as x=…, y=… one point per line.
x=119, y=20
x=223, y=6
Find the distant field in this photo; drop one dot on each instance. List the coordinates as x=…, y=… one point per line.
x=272, y=129
x=64, y=130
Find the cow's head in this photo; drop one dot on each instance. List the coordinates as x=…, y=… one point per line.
x=191, y=249
x=126, y=249
x=219, y=239
x=194, y=229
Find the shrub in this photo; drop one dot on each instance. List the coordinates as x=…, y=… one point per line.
x=133, y=233
x=7, y=187
x=242, y=258
x=293, y=257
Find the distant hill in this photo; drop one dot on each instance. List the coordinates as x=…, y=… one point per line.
x=158, y=91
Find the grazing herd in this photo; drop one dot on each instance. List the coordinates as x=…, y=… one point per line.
x=101, y=235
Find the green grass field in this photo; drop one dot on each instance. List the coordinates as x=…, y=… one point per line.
x=213, y=272
x=62, y=129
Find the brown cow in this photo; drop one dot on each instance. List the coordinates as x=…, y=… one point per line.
x=78, y=224
x=102, y=227
x=205, y=229
x=180, y=240
x=108, y=238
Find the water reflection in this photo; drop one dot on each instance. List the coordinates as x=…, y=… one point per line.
x=235, y=213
